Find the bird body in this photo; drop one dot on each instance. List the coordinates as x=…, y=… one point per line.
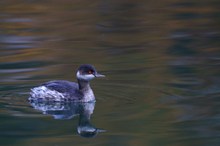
x=61, y=90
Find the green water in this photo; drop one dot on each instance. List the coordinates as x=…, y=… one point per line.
x=161, y=60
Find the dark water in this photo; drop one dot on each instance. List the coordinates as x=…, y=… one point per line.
x=161, y=59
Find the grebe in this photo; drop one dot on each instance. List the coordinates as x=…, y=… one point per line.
x=61, y=90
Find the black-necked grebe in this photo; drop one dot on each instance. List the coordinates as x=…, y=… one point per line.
x=61, y=90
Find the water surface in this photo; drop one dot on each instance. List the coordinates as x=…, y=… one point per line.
x=161, y=61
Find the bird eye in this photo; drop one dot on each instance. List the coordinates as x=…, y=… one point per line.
x=90, y=71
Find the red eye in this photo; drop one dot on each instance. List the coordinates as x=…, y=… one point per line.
x=90, y=71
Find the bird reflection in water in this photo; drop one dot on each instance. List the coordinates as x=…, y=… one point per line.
x=69, y=110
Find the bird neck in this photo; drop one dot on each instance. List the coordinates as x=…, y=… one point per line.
x=83, y=85
x=86, y=90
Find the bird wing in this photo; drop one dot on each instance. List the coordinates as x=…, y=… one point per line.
x=61, y=86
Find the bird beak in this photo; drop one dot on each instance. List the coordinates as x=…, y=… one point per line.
x=99, y=75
